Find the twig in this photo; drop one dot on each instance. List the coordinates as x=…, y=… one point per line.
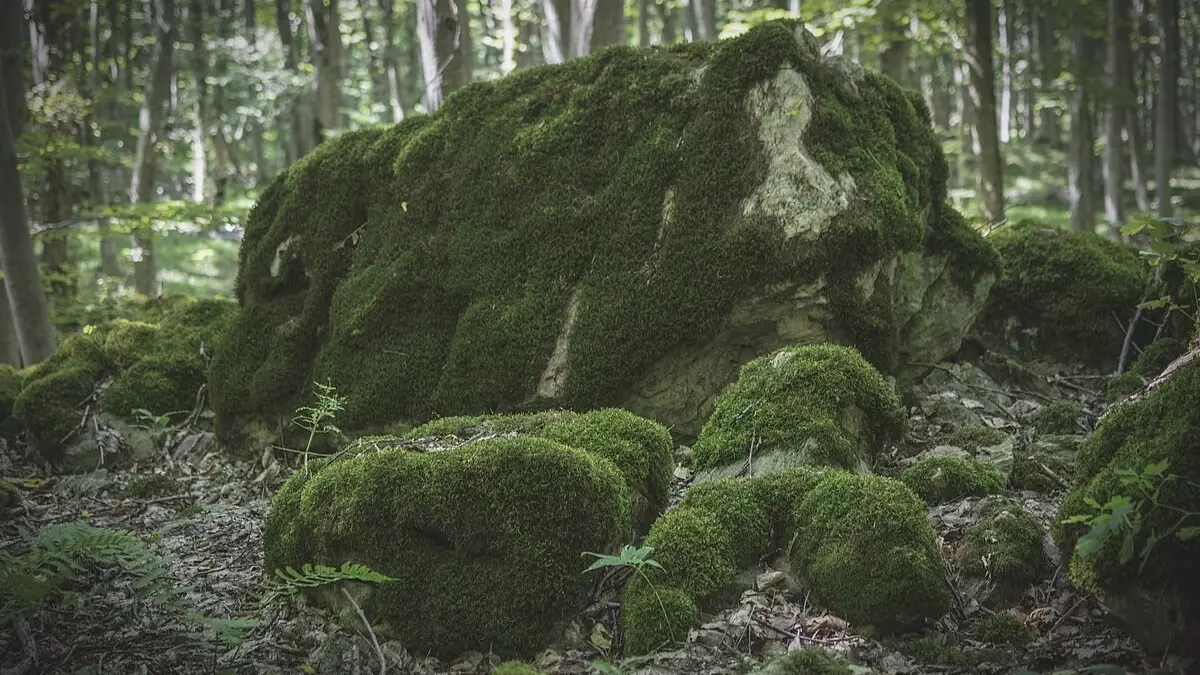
x=370, y=631
x=1053, y=476
x=1137, y=317
x=797, y=635
x=1063, y=618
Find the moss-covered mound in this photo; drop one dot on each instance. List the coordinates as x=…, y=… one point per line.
x=866, y=549
x=11, y=380
x=1058, y=293
x=1001, y=629
x=806, y=661
x=1060, y=417
x=1156, y=357
x=1162, y=426
x=640, y=448
x=944, y=478
x=629, y=226
x=157, y=367
x=862, y=544
x=818, y=404
x=1005, y=545
x=515, y=668
x=976, y=436
x=484, y=541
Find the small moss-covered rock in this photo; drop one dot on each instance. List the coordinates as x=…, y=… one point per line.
x=806, y=661
x=1121, y=386
x=640, y=448
x=485, y=540
x=868, y=552
x=1162, y=426
x=515, y=668
x=50, y=399
x=654, y=618
x=976, y=436
x=1157, y=356
x=1001, y=629
x=1039, y=472
x=1006, y=545
x=1058, y=291
x=819, y=404
x=739, y=505
x=1060, y=417
x=945, y=478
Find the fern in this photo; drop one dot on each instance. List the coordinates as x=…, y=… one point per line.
x=291, y=582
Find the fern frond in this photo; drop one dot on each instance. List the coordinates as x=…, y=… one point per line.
x=291, y=581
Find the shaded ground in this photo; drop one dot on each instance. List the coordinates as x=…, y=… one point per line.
x=205, y=514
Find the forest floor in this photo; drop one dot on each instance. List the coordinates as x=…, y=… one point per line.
x=204, y=514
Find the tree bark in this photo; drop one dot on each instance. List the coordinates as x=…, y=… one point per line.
x=1119, y=102
x=325, y=53
x=643, y=19
x=1080, y=161
x=894, y=58
x=706, y=18
x=150, y=131
x=301, y=126
x=379, y=93
x=1167, y=106
x=943, y=84
x=445, y=39
x=22, y=280
x=1049, y=130
x=608, y=27
x=1138, y=171
x=556, y=29
x=262, y=173
x=990, y=168
x=390, y=60
x=200, y=126
x=1004, y=26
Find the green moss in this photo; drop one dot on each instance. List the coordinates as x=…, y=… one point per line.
x=739, y=505
x=867, y=551
x=359, y=266
x=976, y=436
x=1162, y=426
x=51, y=400
x=806, y=661
x=500, y=578
x=654, y=618
x=1028, y=472
x=1157, y=356
x=515, y=668
x=149, y=485
x=945, y=478
x=640, y=448
x=1006, y=545
x=127, y=341
x=11, y=380
x=930, y=651
x=1121, y=386
x=1062, y=288
x=1001, y=629
x=159, y=384
x=696, y=551
x=1060, y=417
x=823, y=401
x=781, y=491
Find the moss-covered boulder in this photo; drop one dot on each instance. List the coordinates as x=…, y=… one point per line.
x=1160, y=426
x=945, y=478
x=1005, y=546
x=818, y=404
x=1058, y=418
x=640, y=448
x=622, y=229
x=1045, y=465
x=11, y=380
x=805, y=661
x=118, y=369
x=1156, y=357
x=977, y=436
x=1058, y=292
x=485, y=540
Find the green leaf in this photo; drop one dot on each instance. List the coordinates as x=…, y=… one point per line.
x=1157, y=303
x=1188, y=533
x=1126, y=548
x=1133, y=227
x=1156, y=469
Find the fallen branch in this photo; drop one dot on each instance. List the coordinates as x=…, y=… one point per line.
x=370, y=631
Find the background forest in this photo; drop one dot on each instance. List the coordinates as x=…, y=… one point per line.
x=145, y=129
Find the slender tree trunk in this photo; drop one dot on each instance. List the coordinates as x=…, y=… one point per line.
x=1083, y=139
x=643, y=19
x=325, y=52
x=150, y=128
x=10, y=347
x=670, y=22
x=608, y=26
x=390, y=60
x=583, y=17
x=690, y=29
x=200, y=124
x=445, y=39
x=1139, y=173
x=556, y=29
x=253, y=124
x=301, y=137
x=26, y=301
x=1119, y=102
x=1049, y=130
x=1004, y=26
x=379, y=92
x=508, y=37
x=1167, y=106
x=943, y=84
x=706, y=18
x=990, y=169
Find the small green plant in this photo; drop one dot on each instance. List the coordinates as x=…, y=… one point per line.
x=152, y=422
x=1124, y=516
x=318, y=419
x=635, y=558
x=290, y=582
x=1168, y=248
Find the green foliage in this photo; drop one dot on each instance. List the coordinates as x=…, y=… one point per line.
x=1169, y=250
x=632, y=557
x=76, y=563
x=416, y=517
x=1060, y=417
x=1001, y=629
x=514, y=668
x=974, y=437
x=1062, y=288
x=1005, y=545
x=805, y=661
x=318, y=419
x=945, y=478
x=822, y=402
x=290, y=582
x=1157, y=356
x=1121, y=386
x=867, y=551
x=360, y=267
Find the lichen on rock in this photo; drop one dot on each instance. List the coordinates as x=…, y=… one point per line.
x=819, y=404
x=623, y=229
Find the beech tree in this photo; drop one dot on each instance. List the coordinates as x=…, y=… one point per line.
x=985, y=138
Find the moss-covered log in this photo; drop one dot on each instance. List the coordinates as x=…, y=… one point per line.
x=623, y=229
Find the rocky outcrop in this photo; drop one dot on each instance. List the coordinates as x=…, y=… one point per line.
x=624, y=229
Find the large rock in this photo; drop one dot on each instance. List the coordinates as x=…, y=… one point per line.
x=625, y=229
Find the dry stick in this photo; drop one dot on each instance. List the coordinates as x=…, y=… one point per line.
x=370, y=631
x=1137, y=318
x=797, y=635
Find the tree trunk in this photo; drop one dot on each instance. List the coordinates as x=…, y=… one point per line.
x=1167, y=106
x=690, y=29
x=583, y=16
x=301, y=126
x=22, y=280
x=325, y=53
x=390, y=60
x=445, y=39
x=643, y=19
x=254, y=125
x=1119, y=102
x=670, y=22
x=706, y=18
x=379, y=93
x=943, y=84
x=1080, y=160
x=894, y=58
x=1004, y=26
x=1049, y=131
x=150, y=128
x=990, y=168
x=10, y=347
x=608, y=27
x=556, y=29
x=200, y=127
